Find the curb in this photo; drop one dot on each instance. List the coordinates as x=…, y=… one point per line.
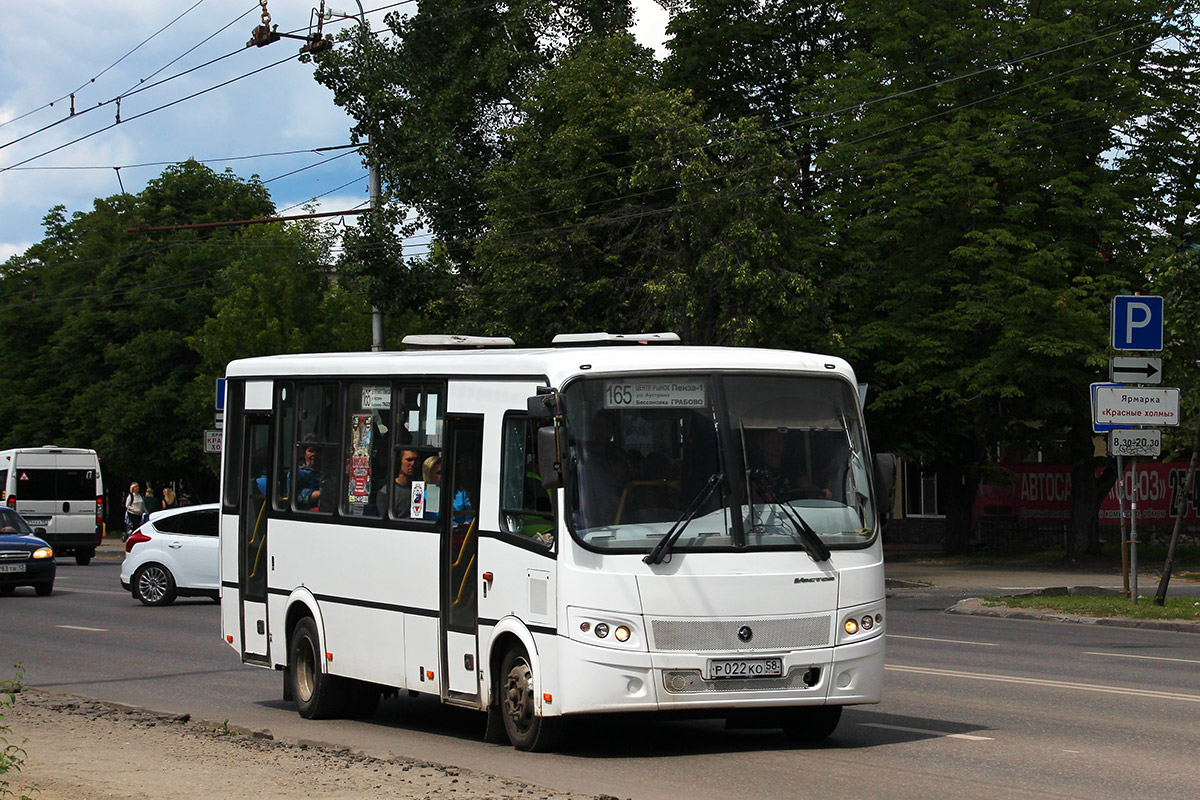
x=972, y=606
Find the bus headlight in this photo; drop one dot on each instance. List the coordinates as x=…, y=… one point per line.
x=605, y=629
x=862, y=623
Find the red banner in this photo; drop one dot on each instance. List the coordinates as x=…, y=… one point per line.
x=1040, y=494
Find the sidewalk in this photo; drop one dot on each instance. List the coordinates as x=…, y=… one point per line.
x=1054, y=579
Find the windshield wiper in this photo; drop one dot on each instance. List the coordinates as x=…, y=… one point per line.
x=813, y=545
x=663, y=548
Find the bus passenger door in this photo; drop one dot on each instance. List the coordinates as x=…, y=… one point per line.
x=252, y=538
x=459, y=515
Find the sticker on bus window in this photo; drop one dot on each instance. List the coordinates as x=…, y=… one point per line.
x=417, y=500
x=361, y=434
x=377, y=397
x=655, y=394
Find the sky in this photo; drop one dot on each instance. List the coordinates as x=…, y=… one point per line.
x=188, y=87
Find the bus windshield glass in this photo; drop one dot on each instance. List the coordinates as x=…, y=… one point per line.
x=786, y=453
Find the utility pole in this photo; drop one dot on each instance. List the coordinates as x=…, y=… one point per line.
x=265, y=34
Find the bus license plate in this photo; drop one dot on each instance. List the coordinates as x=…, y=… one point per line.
x=12, y=567
x=745, y=668
x=38, y=520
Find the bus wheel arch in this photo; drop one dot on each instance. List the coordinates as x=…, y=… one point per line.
x=519, y=709
x=317, y=694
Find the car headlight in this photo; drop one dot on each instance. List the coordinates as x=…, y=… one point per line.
x=43, y=552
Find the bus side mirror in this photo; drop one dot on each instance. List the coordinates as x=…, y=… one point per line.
x=549, y=460
x=541, y=405
x=885, y=483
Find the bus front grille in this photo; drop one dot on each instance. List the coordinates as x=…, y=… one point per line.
x=722, y=635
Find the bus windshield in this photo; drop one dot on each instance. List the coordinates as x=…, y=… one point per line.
x=732, y=460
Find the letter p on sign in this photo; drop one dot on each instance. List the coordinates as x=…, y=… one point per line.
x=1137, y=323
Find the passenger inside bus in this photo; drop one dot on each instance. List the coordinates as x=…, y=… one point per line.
x=399, y=491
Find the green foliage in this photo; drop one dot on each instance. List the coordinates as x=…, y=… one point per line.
x=115, y=335
x=1185, y=608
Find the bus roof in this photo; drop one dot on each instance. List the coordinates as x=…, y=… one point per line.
x=556, y=364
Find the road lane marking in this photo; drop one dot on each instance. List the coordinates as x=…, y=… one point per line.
x=78, y=590
x=966, y=736
x=1083, y=687
x=947, y=641
x=1148, y=658
x=81, y=628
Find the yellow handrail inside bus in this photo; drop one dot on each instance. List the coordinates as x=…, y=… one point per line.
x=462, y=586
x=462, y=548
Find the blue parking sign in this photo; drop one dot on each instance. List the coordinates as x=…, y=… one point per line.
x=1137, y=323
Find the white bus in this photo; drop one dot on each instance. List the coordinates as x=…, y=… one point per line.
x=544, y=533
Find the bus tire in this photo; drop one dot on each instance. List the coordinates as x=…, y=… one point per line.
x=318, y=694
x=811, y=723
x=84, y=557
x=526, y=730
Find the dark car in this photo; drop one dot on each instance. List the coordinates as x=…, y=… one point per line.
x=25, y=560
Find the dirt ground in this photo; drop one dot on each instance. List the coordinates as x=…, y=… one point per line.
x=81, y=749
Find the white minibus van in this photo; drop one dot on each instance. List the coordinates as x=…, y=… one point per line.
x=59, y=490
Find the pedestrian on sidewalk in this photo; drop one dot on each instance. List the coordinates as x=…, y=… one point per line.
x=135, y=509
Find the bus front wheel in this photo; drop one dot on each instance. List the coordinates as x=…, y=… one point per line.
x=526, y=730
x=318, y=694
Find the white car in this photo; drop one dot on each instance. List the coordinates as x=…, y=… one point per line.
x=173, y=555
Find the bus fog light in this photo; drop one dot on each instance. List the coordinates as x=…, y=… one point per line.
x=851, y=626
x=601, y=630
x=868, y=622
x=585, y=626
x=621, y=634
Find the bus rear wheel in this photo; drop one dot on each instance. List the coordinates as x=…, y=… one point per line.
x=812, y=723
x=318, y=694
x=525, y=728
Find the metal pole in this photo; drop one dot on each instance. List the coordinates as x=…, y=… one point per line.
x=1133, y=495
x=1124, y=527
x=373, y=190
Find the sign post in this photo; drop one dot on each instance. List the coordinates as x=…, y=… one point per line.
x=1136, y=324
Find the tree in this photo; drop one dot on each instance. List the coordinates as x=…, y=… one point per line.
x=621, y=209
x=984, y=225
x=115, y=336
x=435, y=99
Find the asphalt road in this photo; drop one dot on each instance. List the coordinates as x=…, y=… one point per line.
x=973, y=707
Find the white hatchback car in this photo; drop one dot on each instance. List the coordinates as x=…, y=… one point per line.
x=173, y=555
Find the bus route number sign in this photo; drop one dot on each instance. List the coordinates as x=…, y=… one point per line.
x=654, y=394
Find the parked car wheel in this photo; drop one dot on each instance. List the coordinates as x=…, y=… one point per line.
x=154, y=585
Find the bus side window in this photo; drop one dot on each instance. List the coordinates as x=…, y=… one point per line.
x=526, y=506
x=369, y=436
x=317, y=469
